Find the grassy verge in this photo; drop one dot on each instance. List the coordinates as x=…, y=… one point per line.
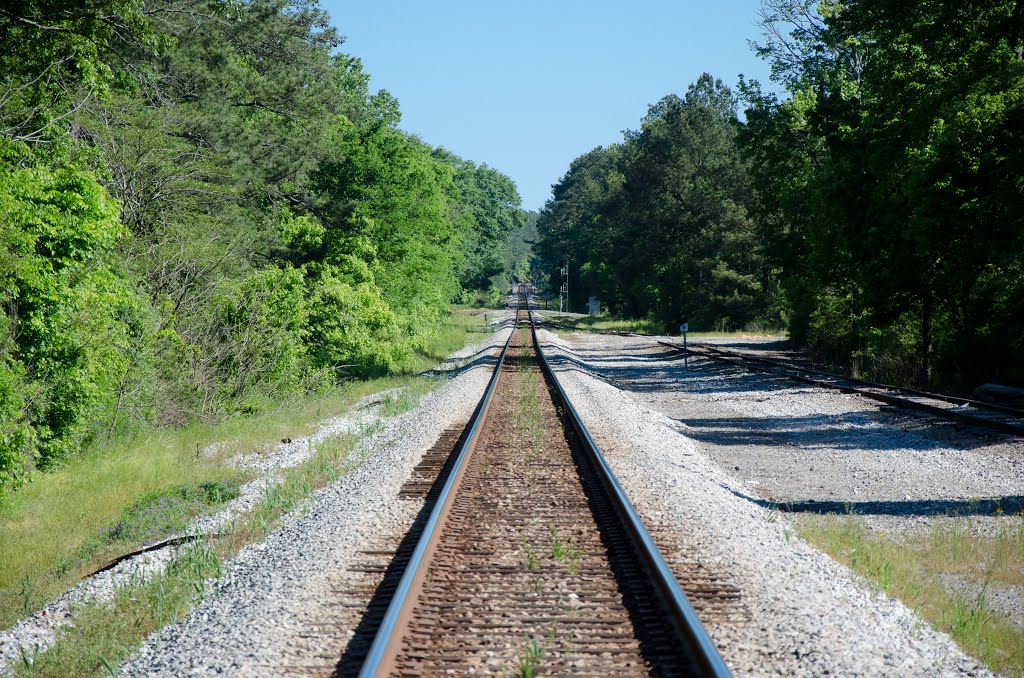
x=918, y=571
x=67, y=523
x=606, y=324
x=103, y=634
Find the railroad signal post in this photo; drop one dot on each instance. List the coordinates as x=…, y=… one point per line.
x=684, y=328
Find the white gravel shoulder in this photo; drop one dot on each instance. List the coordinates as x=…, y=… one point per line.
x=38, y=631
x=392, y=449
x=258, y=617
x=274, y=591
x=808, y=615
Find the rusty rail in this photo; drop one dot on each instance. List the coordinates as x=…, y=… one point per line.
x=378, y=660
x=681, y=614
x=672, y=630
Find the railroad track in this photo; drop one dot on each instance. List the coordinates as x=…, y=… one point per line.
x=531, y=560
x=973, y=412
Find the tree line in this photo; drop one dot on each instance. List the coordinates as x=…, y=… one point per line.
x=875, y=209
x=205, y=209
x=662, y=225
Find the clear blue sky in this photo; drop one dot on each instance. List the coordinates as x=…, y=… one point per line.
x=526, y=86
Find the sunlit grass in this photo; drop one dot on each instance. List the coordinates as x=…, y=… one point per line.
x=458, y=330
x=45, y=524
x=103, y=634
x=917, y=570
x=49, y=529
x=407, y=398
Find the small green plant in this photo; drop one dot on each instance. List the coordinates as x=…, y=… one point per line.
x=558, y=550
x=111, y=668
x=26, y=593
x=572, y=565
x=565, y=551
x=532, y=561
x=885, y=575
x=26, y=660
x=529, y=658
x=969, y=614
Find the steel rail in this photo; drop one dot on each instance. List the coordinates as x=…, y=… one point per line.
x=700, y=647
x=787, y=371
x=379, y=659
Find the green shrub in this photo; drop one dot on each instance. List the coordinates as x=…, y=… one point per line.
x=351, y=326
x=74, y=322
x=261, y=321
x=832, y=328
x=892, y=352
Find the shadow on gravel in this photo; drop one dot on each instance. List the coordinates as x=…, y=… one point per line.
x=753, y=344
x=804, y=435
x=478, y=359
x=362, y=638
x=653, y=371
x=991, y=506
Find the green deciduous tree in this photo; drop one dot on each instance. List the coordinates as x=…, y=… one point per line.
x=660, y=226
x=205, y=209
x=73, y=321
x=892, y=175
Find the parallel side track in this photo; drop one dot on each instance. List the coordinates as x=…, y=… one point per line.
x=965, y=410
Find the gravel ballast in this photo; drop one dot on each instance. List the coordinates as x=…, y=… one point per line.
x=269, y=594
x=271, y=613
x=39, y=630
x=813, y=449
x=674, y=438
x=806, y=614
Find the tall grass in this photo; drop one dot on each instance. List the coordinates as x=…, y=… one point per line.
x=459, y=329
x=919, y=571
x=49, y=529
x=45, y=525
x=103, y=634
